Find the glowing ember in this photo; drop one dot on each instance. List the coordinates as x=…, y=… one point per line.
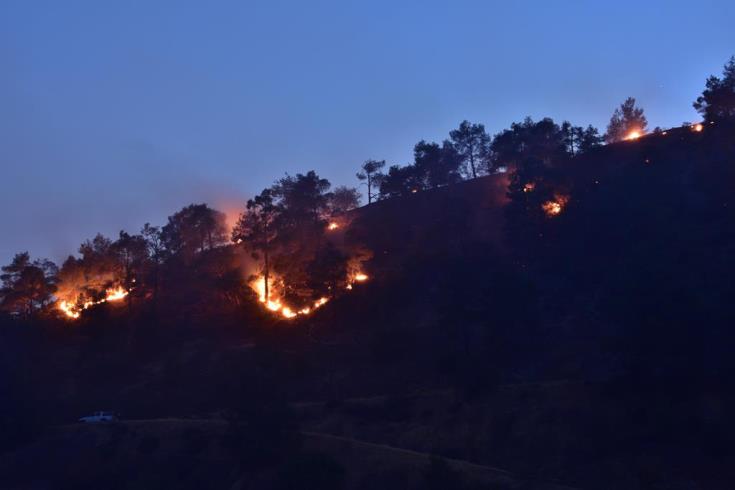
x=332, y=226
x=556, y=206
x=360, y=277
x=697, y=128
x=73, y=311
x=633, y=135
x=529, y=187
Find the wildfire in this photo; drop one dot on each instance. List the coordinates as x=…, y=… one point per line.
x=116, y=294
x=332, y=226
x=275, y=304
x=74, y=311
x=529, y=187
x=697, y=128
x=633, y=135
x=556, y=206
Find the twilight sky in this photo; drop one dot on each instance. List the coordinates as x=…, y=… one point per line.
x=117, y=113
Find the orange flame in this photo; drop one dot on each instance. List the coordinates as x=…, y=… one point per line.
x=275, y=304
x=556, y=206
x=73, y=311
x=633, y=135
x=697, y=128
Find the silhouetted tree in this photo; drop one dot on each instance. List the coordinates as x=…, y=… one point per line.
x=400, y=181
x=328, y=271
x=343, y=199
x=304, y=204
x=303, y=198
x=371, y=173
x=27, y=286
x=588, y=139
x=570, y=136
x=543, y=140
x=131, y=252
x=257, y=231
x=473, y=146
x=194, y=229
x=626, y=119
x=717, y=102
x=436, y=165
x=156, y=251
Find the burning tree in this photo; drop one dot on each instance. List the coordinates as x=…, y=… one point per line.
x=256, y=230
x=285, y=226
x=131, y=253
x=301, y=222
x=627, y=122
x=105, y=272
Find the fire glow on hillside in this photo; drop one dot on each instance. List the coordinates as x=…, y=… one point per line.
x=556, y=206
x=74, y=311
x=633, y=135
x=276, y=304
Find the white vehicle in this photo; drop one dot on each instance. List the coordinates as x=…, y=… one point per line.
x=98, y=417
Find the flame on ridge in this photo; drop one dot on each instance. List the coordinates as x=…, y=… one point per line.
x=74, y=311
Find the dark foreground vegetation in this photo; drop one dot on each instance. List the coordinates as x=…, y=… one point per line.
x=564, y=324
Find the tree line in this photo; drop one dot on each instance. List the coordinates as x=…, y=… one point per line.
x=470, y=152
x=285, y=227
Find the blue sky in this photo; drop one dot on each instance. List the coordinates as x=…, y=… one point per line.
x=117, y=113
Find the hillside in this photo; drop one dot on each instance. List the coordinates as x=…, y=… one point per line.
x=589, y=348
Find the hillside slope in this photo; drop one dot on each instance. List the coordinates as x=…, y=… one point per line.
x=590, y=347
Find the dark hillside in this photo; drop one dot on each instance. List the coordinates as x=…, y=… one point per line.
x=589, y=346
